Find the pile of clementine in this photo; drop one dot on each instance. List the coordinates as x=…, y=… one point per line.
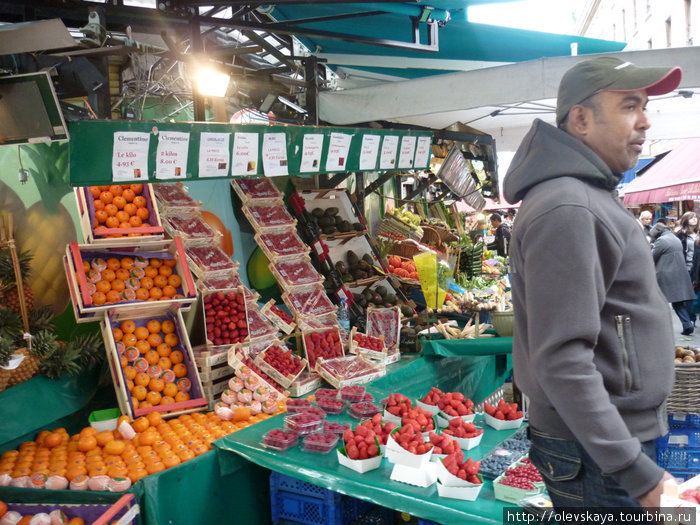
x=158, y=445
x=151, y=357
x=117, y=279
x=27, y=518
x=120, y=206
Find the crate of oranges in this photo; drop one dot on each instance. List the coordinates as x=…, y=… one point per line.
x=120, y=214
x=152, y=363
x=102, y=278
x=69, y=508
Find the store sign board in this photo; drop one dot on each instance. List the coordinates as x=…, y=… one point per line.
x=244, y=159
x=213, y=154
x=312, y=150
x=130, y=156
x=387, y=160
x=408, y=147
x=275, y=154
x=171, y=154
x=199, y=154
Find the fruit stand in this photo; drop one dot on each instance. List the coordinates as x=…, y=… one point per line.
x=158, y=277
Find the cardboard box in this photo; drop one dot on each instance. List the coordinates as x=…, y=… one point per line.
x=269, y=312
x=358, y=465
x=283, y=380
x=210, y=337
x=236, y=361
x=464, y=493
x=433, y=409
x=81, y=289
x=395, y=453
x=113, y=319
x=420, y=477
x=308, y=381
x=500, y=424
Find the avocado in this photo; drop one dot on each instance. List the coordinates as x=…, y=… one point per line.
x=344, y=227
x=362, y=302
x=347, y=278
x=406, y=310
x=356, y=297
x=381, y=290
x=352, y=258
x=326, y=221
x=368, y=259
x=390, y=298
x=328, y=230
x=340, y=266
x=377, y=299
x=357, y=227
x=338, y=219
x=362, y=265
x=331, y=212
x=317, y=212
x=367, y=293
x=359, y=274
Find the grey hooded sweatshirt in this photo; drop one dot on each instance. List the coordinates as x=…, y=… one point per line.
x=593, y=344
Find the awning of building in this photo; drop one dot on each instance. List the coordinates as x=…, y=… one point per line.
x=630, y=175
x=674, y=178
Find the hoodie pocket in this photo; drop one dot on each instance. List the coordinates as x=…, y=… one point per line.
x=630, y=365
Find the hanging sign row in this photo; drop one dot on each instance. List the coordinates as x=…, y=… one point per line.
x=115, y=151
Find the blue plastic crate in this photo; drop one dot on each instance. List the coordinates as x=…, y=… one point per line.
x=679, y=453
x=302, y=502
x=684, y=421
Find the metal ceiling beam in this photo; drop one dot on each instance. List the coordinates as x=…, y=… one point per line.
x=284, y=2
x=327, y=18
x=252, y=35
x=283, y=28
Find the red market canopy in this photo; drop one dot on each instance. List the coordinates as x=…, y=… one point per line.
x=676, y=177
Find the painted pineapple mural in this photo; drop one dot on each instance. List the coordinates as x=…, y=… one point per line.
x=43, y=225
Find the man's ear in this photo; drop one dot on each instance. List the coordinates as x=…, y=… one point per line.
x=578, y=120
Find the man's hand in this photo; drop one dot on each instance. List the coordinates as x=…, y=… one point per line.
x=653, y=498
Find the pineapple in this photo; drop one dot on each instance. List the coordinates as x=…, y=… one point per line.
x=44, y=344
x=9, y=296
x=7, y=348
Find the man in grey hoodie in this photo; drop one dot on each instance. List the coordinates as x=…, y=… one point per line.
x=593, y=341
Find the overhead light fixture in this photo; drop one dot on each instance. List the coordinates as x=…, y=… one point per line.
x=212, y=83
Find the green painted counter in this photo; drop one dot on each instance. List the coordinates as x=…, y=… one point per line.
x=471, y=374
x=462, y=347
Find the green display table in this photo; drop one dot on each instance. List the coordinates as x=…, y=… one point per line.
x=374, y=486
x=470, y=374
x=462, y=347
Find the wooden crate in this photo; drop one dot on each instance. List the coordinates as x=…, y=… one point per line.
x=83, y=307
x=212, y=389
x=235, y=360
x=336, y=198
x=100, y=235
x=210, y=343
x=113, y=319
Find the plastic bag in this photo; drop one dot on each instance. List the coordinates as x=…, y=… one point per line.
x=435, y=276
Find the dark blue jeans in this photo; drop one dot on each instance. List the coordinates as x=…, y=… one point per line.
x=572, y=477
x=684, y=311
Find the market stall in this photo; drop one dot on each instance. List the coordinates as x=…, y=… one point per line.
x=193, y=352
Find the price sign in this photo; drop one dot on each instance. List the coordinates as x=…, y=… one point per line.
x=213, y=154
x=171, y=155
x=130, y=156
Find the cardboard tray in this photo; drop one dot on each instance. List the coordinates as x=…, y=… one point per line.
x=79, y=288
x=114, y=318
x=339, y=382
x=276, y=375
x=275, y=319
x=334, y=198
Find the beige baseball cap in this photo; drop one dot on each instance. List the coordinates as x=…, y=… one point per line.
x=589, y=77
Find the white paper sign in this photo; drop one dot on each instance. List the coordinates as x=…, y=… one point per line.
x=244, y=160
x=275, y=154
x=213, y=154
x=130, y=156
x=369, y=151
x=311, y=152
x=408, y=146
x=338, y=149
x=422, y=152
x=387, y=159
x=171, y=155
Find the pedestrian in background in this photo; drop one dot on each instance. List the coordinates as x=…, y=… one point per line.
x=687, y=232
x=592, y=336
x=501, y=235
x=644, y=221
x=672, y=275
